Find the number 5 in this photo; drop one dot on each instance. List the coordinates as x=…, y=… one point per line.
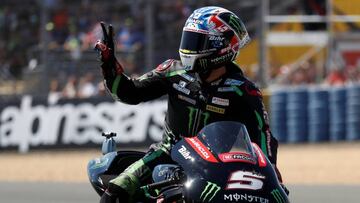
x=245, y=180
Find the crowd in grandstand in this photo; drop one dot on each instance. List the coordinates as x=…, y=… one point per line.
x=73, y=27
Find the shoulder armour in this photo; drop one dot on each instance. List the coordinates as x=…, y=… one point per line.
x=165, y=65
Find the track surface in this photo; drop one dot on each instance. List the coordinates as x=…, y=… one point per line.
x=28, y=192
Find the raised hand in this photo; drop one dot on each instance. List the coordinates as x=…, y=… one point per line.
x=106, y=48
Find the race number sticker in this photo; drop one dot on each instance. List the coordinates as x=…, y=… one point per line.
x=245, y=180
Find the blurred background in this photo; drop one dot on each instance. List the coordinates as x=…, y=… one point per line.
x=304, y=54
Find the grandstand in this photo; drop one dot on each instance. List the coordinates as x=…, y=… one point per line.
x=46, y=46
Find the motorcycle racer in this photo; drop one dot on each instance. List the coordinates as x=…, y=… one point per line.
x=203, y=87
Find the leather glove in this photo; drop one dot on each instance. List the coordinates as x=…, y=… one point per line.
x=106, y=48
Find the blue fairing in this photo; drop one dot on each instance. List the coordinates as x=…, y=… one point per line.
x=99, y=166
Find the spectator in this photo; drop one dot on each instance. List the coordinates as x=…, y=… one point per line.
x=69, y=90
x=72, y=44
x=130, y=40
x=335, y=77
x=54, y=92
x=101, y=90
x=87, y=87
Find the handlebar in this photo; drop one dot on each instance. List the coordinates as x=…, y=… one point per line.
x=158, y=185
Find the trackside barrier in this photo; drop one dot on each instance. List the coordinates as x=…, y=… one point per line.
x=315, y=114
x=318, y=114
x=337, y=108
x=353, y=112
x=278, y=112
x=297, y=115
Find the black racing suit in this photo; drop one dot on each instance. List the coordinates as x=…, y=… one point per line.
x=191, y=106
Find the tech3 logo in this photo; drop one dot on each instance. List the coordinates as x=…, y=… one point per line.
x=211, y=189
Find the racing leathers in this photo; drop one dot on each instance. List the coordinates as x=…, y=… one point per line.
x=191, y=106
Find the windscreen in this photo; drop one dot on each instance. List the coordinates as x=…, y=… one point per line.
x=226, y=137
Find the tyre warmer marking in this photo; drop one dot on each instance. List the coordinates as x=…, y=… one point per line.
x=201, y=149
x=278, y=197
x=263, y=137
x=210, y=188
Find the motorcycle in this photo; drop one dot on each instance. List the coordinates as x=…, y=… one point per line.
x=219, y=164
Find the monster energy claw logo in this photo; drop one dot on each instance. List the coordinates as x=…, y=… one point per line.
x=278, y=197
x=209, y=192
x=234, y=22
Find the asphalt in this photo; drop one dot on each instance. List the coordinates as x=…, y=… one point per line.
x=15, y=192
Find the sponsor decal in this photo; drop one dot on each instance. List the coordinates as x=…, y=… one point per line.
x=230, y=81
x=209, y=192
x=201, y=149
x=225, y=49
x=162, y=172
x=188, y=77
x=260, y=155
x=194, y=20
x=181, y=87
x=277, y=196
x=182, y=84
x=187, y=99
x=217, y=82
x=185, y=153
x=222, y=28
x=220, y=101
x=215, y=109
x=244, y=197
x=226, y=89
x=100, y=162
x=236, y=157
x=222, y=58
x=249, y=180
x=195, y=117
x=203, y=62
x=215, y=38
x=78, y=122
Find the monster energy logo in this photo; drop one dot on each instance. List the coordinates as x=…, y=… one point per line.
x=236, y=24
x=194, y=118
x=209, y=192
x=203, y=63
x=278, y=197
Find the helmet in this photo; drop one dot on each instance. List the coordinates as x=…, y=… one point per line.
x=211, y=37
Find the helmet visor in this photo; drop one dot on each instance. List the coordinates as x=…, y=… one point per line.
x=195, y=43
